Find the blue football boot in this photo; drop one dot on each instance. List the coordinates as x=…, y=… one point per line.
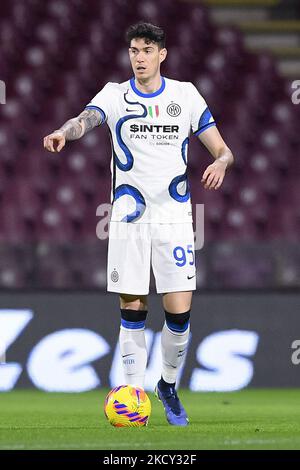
x=175, y=413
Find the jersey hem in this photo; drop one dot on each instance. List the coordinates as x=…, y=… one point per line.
x=168, y=222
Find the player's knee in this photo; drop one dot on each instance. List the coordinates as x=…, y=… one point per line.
x=177, y=302
x=133, y=303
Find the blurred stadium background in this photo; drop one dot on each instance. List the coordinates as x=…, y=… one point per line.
x=244, y=57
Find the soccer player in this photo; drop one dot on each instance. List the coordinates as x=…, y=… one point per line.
x=150, y=118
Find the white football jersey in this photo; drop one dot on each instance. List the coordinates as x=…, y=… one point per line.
x=150, y=135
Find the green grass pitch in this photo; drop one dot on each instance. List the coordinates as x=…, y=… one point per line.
x=249, y=419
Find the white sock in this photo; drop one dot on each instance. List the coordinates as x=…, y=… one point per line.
x=134, y=355
x=173, y=349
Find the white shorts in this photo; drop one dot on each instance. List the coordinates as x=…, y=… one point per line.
x=133, y=248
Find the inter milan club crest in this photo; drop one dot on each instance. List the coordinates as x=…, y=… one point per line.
x=114, y=276
x=173, y=109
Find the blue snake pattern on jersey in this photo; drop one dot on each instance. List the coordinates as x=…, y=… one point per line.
x=127, y=188
x=129, y=157
x=138, y=197
x=181, y=178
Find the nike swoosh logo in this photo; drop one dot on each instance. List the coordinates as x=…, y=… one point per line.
x=126, y=355
x=191, y=277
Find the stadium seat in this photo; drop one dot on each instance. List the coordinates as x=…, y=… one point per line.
x=233, y=267
x=284, y=223
x=23, y=195
x=35, y=167
x=58, y=277
x=8, y=144
x=13, y=228
x=238, y=224
x=88, y=263
x=53, y=224
x=67, y=194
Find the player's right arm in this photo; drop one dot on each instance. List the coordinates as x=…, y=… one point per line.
x=73, y=129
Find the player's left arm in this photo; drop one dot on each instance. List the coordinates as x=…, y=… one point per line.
x=213, y=176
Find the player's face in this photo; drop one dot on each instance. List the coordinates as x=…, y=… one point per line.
x=145, y=58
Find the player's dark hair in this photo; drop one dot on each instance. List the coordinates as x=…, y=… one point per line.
x=146, y=31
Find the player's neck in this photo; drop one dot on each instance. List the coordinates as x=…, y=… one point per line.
x=150, y=85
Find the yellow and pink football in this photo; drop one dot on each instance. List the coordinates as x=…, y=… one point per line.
x=127, y=406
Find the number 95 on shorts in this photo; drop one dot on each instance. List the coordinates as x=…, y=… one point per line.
x=133, y=248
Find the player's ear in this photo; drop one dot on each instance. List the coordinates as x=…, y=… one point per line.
x=162, y=55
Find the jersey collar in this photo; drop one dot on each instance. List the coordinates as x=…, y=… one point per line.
x=148, y=95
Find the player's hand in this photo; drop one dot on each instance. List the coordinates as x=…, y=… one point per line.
x=214, y=174
x=55, y=142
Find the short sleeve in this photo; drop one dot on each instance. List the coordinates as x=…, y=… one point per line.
x=201, y=117
x=102, y=101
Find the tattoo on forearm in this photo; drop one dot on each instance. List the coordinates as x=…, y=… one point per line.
x=85, y=122
x=91, y=118
x=72, y=129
